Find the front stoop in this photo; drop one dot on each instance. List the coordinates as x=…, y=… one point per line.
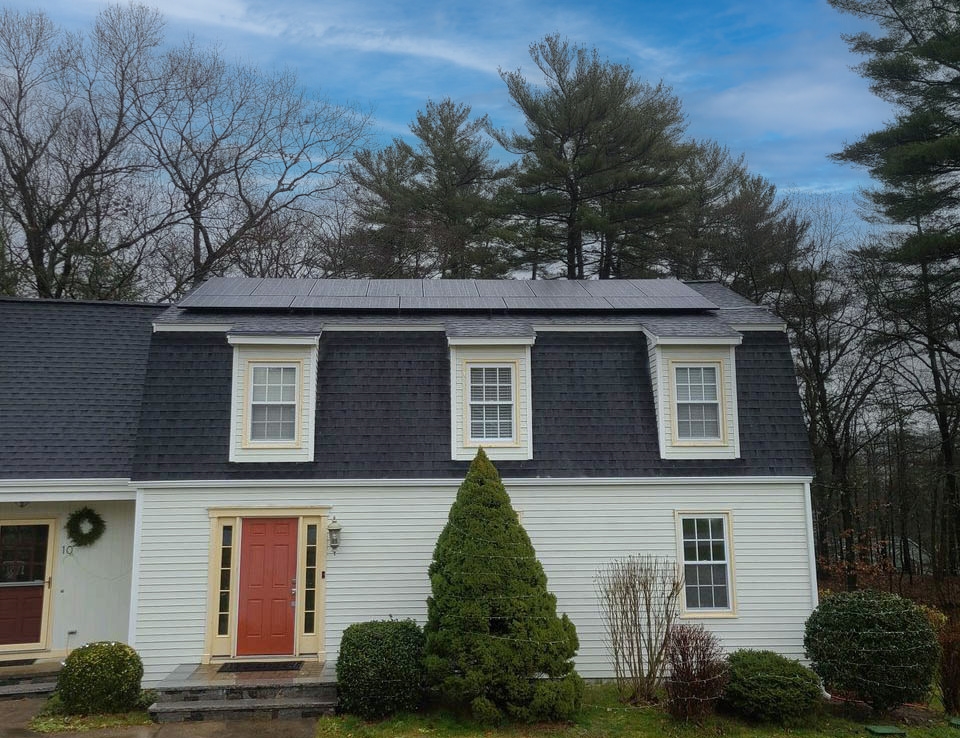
x=34, y=680
x=204, y=694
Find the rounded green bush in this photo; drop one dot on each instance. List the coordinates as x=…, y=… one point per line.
x=380, y=669
x=875, y=646
x=766, y=686
x=100, y=677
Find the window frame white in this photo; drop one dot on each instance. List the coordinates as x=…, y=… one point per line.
x=273, y=350
x=495, y=350
x=678, y=439
x=729, y=567
x=514, y=369
x=248, y=440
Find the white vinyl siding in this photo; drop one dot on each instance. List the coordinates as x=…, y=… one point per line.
x=390, y=529
x=273, y=403
x=514, y=434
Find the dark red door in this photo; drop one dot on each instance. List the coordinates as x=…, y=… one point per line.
x=268, y=574
x=23, y=562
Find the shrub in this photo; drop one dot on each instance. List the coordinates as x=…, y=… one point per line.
x=495, y=644
x=100, y=678
x=948, y=677
x=639, y=598
x=379, y=670
x=875, y=646
x=765, y=686
x=698, y=672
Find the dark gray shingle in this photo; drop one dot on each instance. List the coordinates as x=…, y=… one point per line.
x=71, y=377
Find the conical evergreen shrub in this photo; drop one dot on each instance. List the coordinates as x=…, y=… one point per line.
x=495, y=644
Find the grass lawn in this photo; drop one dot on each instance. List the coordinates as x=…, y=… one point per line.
x=603, y=717
x=80, y=723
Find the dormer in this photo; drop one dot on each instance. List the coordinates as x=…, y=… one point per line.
x=693, y=371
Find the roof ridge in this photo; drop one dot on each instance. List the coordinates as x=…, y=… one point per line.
x=69, y=301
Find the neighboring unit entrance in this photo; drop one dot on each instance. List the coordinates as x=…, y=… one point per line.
x=266, y=611
x=24, y=565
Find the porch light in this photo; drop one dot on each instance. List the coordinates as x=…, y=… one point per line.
x=333, y=534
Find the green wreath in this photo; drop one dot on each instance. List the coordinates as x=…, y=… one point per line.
x=85, y=526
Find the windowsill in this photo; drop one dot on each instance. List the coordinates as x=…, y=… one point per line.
x=711, y=614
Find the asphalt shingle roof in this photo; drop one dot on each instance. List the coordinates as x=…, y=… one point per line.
x=71, y=378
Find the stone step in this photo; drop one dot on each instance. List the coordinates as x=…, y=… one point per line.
x=281, y=689
x=286, y=708
x=27, y=689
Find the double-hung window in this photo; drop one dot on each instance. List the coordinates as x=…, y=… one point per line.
x=273, y=403
x=698, y=403
x=706, y=563
x=492, y=401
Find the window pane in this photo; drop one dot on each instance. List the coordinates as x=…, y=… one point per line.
x=308, y=620
x=710, y=392
x=311, y=556
x=688, y=526
x=311, y=578
x=683, y=375
x=709, y=375
x=225, y=558
x=719, y=574
x=224, y=602
x=490, y=375
x=690, y=574
x=311, y=535
x=505, y=394
x=476, y=375
x=693, y=597
x=223, y=621
x=504, y=375
x=703, y=528
x=288, y=431
x=476, y=430
x=717, y=553
x=227, y=536
x=288, y=393
x=689, y=550
x=290, y=375
x=309, y=600
x=259, y=375
x=259, y=393
x=258, y=413
x=706, y=597
x=274, y=375
x=703, y=551
x=476, y=393
x=224, y=579
x=720, y=597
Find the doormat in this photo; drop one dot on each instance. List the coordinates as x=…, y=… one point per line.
x=21, y=662
x=242, y=666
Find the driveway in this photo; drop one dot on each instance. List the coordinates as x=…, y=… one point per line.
x=15, y=714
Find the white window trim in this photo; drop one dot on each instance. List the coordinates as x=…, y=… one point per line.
x=515, y=352
x=721, y=440
x=711, y=612
x=468, y=440
x=247, y=440
x=250, y=351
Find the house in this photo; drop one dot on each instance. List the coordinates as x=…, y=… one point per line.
x=274, y=459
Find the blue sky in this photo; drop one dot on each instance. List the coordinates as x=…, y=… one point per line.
x=769, y=79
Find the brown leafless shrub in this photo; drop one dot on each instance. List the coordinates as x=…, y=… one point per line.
x=698, y=672
x=638, y=601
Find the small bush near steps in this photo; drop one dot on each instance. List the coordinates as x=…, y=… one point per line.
x=100, y=678
x=768, y=687
x=875, y=646
x=379, y=670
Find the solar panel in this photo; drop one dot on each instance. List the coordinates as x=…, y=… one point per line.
x=610, y=288
x=557, y=288
x=503, y=288
x=452, y=303
x=284, y=287
x=229, y=286
x=449, y=288
x=335, y=302
x=557, y=303
x=661, y=287
x=341, y=287
x=237, y=301
x=395, y=287
x=693, y=302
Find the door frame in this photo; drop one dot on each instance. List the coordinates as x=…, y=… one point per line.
x=219, y=646
x=46, y=620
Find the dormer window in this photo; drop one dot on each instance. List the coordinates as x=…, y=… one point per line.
x=274, y=398
x=695, y=393
x=490, y=397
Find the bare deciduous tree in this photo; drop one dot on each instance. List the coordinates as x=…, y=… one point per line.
x=639, y=598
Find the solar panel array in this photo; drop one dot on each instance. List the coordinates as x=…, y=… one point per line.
x=444, y=294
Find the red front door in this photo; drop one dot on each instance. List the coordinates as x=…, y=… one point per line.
x=268, y=575
x=23, y=571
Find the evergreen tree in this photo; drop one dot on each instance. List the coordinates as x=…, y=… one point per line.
x=600, y=155
x=494, y=641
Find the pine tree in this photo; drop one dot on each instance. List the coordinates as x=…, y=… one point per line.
x=495, y=644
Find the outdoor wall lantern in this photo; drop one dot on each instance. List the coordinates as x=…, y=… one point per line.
x=333, y=534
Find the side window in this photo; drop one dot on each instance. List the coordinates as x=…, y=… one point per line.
x=492, y=402
x=706, y=563
x=698, y=403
